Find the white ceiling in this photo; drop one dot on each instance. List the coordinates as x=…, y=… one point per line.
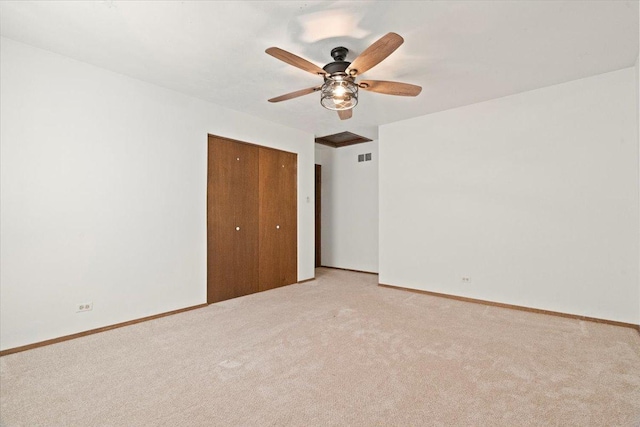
x=460, y=52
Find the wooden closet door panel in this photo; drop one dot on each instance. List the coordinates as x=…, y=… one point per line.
x=269, y=184
x=232, y=220
x=289, y=217
x=278, y=219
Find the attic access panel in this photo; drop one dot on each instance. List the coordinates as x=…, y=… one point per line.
x=341, y=139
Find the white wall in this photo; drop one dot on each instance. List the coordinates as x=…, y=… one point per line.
x=349, y=206
x=637, y=73
x=104, y=194
x=533, y=196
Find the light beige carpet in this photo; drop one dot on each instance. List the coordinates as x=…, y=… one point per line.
x=333, y=352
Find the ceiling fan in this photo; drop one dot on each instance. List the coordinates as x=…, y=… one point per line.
x=339, y=91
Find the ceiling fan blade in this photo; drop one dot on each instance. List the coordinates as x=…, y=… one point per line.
x=345, y=114
x=390, y=88
x=294, y=60
x=295, y=94
x=375, y=53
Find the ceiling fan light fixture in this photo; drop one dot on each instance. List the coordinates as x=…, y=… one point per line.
x=339, y=93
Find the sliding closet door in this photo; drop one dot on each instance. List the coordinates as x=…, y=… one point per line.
x=232, y=220
x=278, y=219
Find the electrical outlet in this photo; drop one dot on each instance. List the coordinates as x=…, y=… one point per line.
x=466, y=279
x=84, y=306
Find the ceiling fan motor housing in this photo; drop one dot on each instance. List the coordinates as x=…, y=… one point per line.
x=339, y=66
